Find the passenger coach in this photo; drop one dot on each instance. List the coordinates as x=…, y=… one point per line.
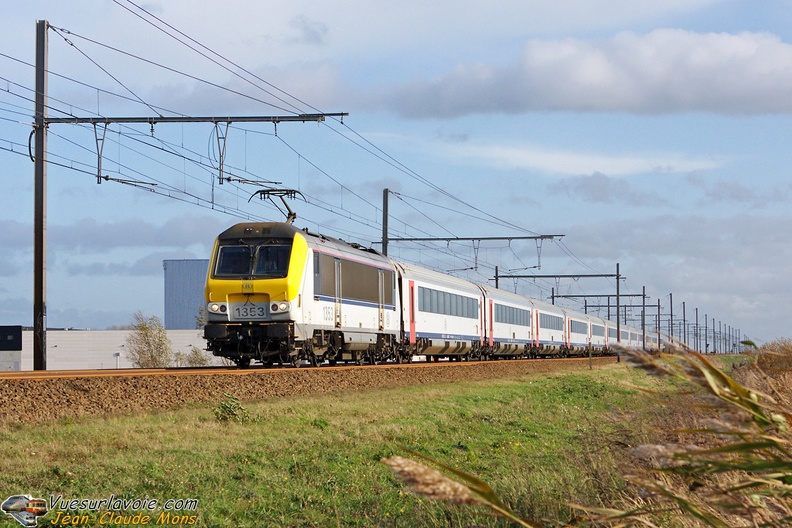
x=441, y=315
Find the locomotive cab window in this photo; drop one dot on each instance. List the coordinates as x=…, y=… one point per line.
x=268, y=259
x=272, y=260
x=233, y=261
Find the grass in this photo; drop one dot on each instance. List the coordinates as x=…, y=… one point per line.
x=316, y=461
x=731, y=465
x=543, y=443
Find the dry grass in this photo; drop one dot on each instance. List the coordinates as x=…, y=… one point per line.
x=722, y=455
x=730, y=464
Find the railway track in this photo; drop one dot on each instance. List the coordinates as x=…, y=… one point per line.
x=40, y=396
x=229, y=370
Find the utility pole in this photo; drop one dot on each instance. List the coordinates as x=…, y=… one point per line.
x=40, y=203
x=643, y=318
x=385, y=222
x=42, y=121
x=706, y=336
x=684, y=325
x=697, y=337
x=658, y=324
x=618, y=308
x=671, y=321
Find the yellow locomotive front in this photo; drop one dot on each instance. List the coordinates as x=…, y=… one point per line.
x=252, y=292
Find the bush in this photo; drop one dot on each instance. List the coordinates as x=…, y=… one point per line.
x=231, y=410
x=737, y=471
x=194, y=358
x=147, y=345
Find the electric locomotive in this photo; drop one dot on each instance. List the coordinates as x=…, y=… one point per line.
x=278, y=294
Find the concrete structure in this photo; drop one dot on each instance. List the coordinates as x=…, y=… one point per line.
x=96, y=349
x=184, y=292
x=12, y=360
x=10, y=347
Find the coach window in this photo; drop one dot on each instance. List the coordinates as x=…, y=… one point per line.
x=579, y=327
x=389, y=283
x=359, y=281
x=324, y=275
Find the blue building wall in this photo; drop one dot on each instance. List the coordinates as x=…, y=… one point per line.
x=184, y=292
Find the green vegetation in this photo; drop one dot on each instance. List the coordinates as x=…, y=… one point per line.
x=542, y=444
x=231, y=409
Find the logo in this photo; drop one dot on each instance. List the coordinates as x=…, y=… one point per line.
x=24, y=509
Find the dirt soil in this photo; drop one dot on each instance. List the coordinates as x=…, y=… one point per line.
x=46, y=400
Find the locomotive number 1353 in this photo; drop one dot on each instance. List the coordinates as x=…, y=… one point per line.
x=248, y=311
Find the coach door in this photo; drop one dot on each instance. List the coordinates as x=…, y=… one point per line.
x=413, y=338
x=338, y=293
x=381, y=302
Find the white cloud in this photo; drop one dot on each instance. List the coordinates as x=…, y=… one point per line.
x=664, y=71
x=573, y=163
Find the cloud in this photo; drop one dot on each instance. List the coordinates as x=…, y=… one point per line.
x=736, y=192
x=739, y=241
x=310, y=31
x=148, y=265
x=664, y=71
x=91, y=235
x=571, y=163
x=602, y=189
x=727, y=267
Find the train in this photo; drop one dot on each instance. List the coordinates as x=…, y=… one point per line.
x=277, y=294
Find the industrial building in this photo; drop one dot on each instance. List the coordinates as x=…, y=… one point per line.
x=184, y=293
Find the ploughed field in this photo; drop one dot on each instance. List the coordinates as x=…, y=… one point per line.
x=100, y=393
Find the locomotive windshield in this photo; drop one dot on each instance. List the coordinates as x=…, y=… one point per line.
x=268, y=259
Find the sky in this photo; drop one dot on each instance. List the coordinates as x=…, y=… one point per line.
x=652, y=134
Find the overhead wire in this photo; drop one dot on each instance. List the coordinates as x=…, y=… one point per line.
x=60, y=32
x=209, y=50
x=381, y=153
x=179, y=72
x=171, y=69
x=376, y=150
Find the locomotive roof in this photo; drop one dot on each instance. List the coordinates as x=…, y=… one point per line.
x=258, y=230
x=283, y=230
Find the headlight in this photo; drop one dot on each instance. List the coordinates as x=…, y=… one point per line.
x=280, y=307
x=218, y=308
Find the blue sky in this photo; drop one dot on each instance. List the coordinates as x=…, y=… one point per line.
x=652, y=134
